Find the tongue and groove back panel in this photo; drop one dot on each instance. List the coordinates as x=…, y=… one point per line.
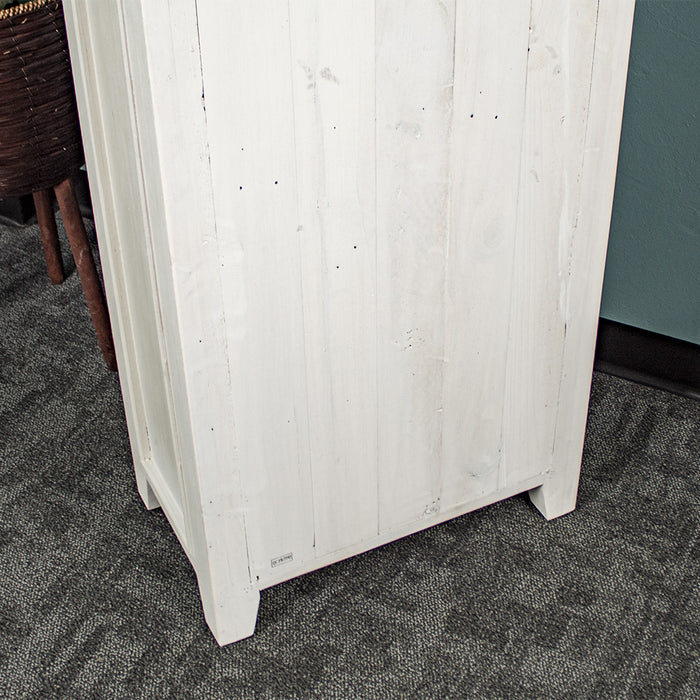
x=353, y=251
x=396, y=189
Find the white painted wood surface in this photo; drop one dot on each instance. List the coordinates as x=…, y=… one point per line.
x=560, y=62
x=353, y=251
x=333, y=115
x=491, y=70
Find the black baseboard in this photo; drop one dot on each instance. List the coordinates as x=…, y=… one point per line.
x=648, y=358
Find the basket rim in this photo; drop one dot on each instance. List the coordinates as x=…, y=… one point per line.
x=25, y=8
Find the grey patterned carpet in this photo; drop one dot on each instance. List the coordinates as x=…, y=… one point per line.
x=97, y=600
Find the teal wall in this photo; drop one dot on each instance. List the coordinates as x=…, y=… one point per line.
x=652, y=278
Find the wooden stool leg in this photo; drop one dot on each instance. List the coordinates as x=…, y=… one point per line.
x=49, y=235
x=85, y=264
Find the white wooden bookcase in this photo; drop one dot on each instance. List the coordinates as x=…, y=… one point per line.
x=353, y=252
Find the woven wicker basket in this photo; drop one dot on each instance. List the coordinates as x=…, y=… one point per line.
x=40, y=142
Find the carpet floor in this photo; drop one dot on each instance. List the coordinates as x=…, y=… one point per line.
x=98, y=600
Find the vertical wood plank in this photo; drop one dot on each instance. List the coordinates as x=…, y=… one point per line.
x=85, y=75
x=557, y=108
x=247, y=97
x=414, y=107
x=168, y=68
x=333, y=77
x=587, y=260
x=490, y=77
x=126, y=247
x=216, y=509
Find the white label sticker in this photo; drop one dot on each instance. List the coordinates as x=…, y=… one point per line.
x=281, y=560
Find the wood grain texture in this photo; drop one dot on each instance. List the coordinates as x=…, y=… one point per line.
x=414, y=58
x=274, y=576
x=49, y=235
x=332, y=61
x=79, y=32
x=559, y=68
x=250, y=133
x=587, y=252
x=202, y=383
x=126, y=250
x=170, y=124
x=487, y=127
x=354, y=253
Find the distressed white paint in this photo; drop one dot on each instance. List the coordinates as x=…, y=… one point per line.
x=491, y=67
x=353, y=253
x=332, y=61
x=587, y=254
x=562, y=39
x=149, y=409
x=174, y=165
x=250, y=140
x=415, y=68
